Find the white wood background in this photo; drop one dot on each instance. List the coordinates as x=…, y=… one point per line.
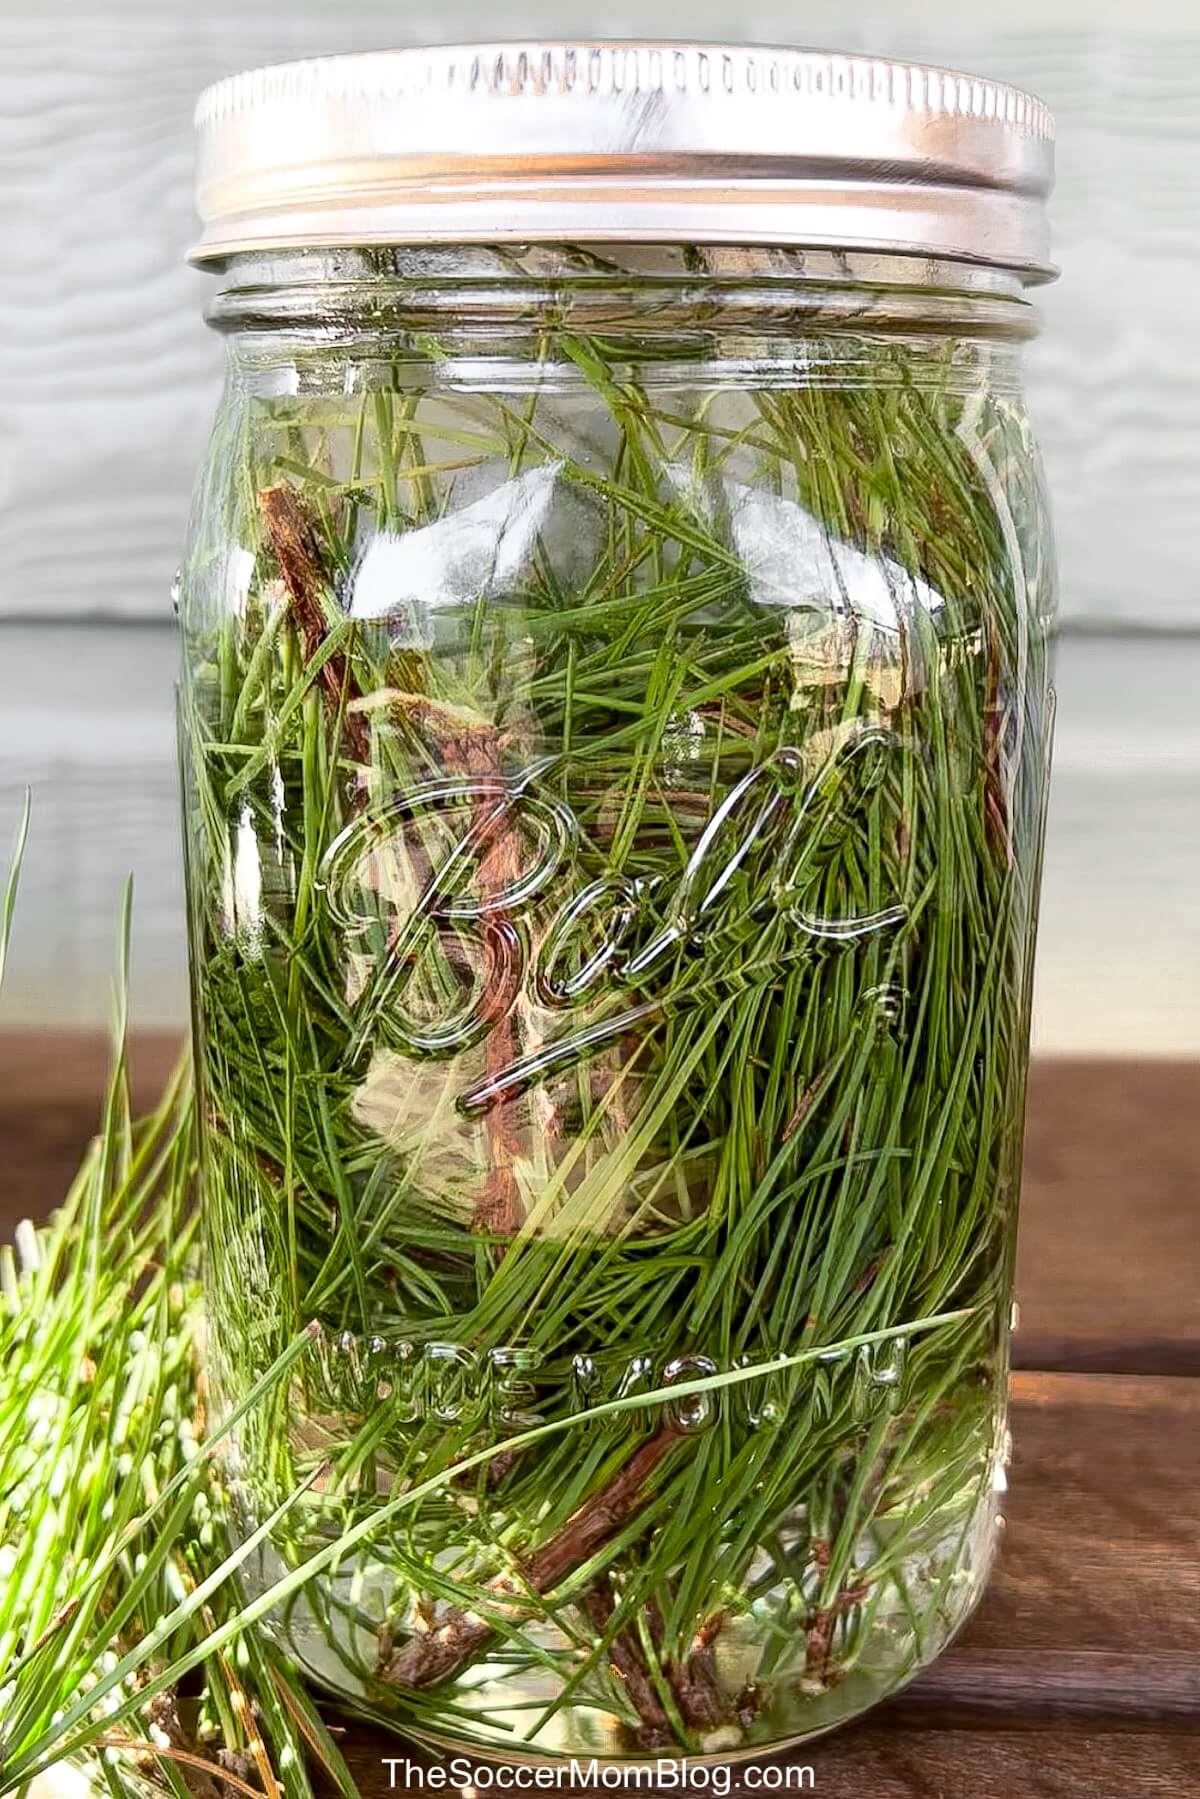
x=107, y=379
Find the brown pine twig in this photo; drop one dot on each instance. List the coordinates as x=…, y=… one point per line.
x=804, y=1105
x=202, y=1778
x=296, y=547
x=694, y=1682
x=436, y=1655
x=628, y=1663
x=694, y=1685
x=821, y=1626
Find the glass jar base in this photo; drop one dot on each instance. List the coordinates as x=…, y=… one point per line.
x=497, y=1712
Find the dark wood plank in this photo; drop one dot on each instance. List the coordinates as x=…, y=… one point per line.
x=881, y=1763
x=1102, y=1548
x=51, y=1087
x=1108, y=1267
x=1136, y=1689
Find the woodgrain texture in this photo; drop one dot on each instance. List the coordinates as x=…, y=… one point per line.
x=51, y=1090
x=1004, y=1764
x=1108, y=1267
x=107, y=378
x=1102, y=1550
x=1108, y=1264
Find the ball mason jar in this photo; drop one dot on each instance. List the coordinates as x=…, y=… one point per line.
x=614, y=730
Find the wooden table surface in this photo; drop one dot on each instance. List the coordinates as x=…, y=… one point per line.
x=1080, y=1674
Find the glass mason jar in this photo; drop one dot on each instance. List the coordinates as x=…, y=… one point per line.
x=614, y=729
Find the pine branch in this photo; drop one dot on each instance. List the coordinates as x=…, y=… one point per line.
x=296, y=546
x=434, y=1656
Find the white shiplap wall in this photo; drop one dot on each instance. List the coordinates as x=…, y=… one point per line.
x=107, y=381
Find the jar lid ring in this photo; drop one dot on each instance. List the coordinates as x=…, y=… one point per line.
x=625, y=142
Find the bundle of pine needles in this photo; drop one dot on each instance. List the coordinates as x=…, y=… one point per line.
x=613, y=817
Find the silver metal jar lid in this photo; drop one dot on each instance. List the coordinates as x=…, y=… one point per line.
x=625, y=142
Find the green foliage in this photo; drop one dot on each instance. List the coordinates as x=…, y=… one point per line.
x=768, y=1128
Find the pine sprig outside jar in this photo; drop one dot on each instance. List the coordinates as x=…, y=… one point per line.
x=614, y=733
